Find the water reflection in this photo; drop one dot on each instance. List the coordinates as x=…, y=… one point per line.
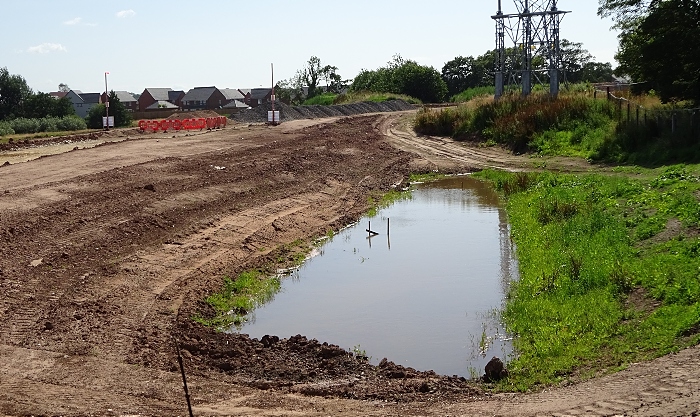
x=426, y=295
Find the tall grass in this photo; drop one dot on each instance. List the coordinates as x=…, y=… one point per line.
x=575, y=124
x=325, y=99
x=472, y=93
x=590, y=249
x=528, y=124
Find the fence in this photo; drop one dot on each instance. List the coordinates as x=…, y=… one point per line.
x=682, y=126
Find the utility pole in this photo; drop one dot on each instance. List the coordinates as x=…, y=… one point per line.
x=272, y=96
x=106, y=101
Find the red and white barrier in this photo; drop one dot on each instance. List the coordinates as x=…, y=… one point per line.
x=184, y=124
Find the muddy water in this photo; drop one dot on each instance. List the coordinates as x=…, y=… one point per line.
x=426, y=295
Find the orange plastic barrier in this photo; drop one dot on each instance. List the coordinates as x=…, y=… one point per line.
x=184, y=124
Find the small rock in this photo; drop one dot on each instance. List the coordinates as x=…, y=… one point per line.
x=495, y=370
x=149, y=187
x=48, y=325
x=36, y=262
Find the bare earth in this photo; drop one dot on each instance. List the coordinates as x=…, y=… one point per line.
x=109, y=250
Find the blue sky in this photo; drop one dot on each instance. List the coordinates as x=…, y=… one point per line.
x=230, y=44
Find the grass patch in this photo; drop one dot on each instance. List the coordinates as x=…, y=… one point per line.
x=472, y=93
x=251, y=289
x=325, y=99
x=239, y=297
x=584, y=244
x=386, y=200
x=361, y=96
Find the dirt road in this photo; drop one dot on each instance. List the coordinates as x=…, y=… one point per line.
x=109, y=251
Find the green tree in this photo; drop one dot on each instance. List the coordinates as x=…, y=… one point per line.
x=573, y=60
x=122, y=117
x=659, y=44
x=310, y=77
x=44, y=105
x=459, y=75
x=402, y=76
x=14, y=91
x=597, y=72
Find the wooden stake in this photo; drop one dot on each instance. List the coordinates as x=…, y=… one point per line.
x=184, y=378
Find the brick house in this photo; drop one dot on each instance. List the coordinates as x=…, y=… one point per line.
x=204, y=98
x=125, y=98
x=151, y=96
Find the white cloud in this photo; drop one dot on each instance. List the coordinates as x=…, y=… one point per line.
x=47, y=47
x=73, y=21
x=126, y=13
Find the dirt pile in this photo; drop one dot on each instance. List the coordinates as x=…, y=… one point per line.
x=309, y=367
x=31, y=143
x=288, y=113
x=198, y=114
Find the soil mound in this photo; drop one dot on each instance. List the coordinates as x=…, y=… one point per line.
x=288, y=113
x=304, y=366
x=193, y=114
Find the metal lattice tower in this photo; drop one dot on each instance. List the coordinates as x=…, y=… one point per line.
x=533, y=33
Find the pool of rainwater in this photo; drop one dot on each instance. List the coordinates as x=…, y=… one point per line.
x=426, y=292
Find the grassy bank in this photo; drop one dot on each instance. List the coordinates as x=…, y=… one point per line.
x=610, y=270
x=575, y=124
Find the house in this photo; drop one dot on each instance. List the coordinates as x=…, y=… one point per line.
x=204, y=98
x=161, y=105
x=256, y=96
x=83, y=102
x=232, y=94
x=58, y=94
x=129, y=102
x=151, y=96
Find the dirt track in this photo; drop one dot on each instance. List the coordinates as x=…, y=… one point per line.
x=108, y=252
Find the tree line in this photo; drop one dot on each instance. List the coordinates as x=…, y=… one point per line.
x=407, y=77
x=17, y=100
x=25, y=111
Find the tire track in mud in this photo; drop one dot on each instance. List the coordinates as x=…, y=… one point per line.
x=159, y=278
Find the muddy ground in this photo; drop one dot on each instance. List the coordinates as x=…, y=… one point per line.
x=108, y=252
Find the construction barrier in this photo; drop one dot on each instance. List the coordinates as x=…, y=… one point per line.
x=184, y=124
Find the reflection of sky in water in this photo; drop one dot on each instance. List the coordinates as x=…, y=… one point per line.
x=421, y=298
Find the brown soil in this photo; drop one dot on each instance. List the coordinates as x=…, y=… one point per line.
x=108, y=253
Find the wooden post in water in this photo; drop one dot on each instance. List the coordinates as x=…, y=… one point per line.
x=387, y=226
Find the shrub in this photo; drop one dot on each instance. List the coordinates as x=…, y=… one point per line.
x=6, y=129
x=22, y=125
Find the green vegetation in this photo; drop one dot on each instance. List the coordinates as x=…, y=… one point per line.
x=45, y=124
x=406, y=77
x=251, y=289
x=122, y=117
x=386, y=200
x=472, y=93
x=472, y=73
x=610, y=270
x=328, y=99
x=239, y=297
x=325, y=99
x=575, y=124
x=658, y=45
